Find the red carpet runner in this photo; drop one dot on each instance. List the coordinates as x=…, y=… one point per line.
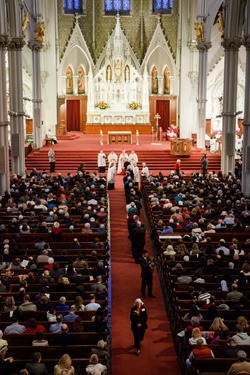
x=157, y=354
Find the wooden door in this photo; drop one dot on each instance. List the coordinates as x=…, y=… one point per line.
x=73, y=115
x=162, y=107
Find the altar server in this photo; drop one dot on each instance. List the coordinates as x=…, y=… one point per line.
x=111, y=176
x=112, y=158
x=133, y=158
x=101, y=162
x=145, y=170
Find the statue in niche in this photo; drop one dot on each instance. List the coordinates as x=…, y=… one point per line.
x=81, y=81
x=25, y=24
x=127, y=74
x=118, y=71
x=108, y=73
x=166, y=81
x=69, y=81
x=200, y=31
x=154, y=80
x=40, y=31
x=221, y=23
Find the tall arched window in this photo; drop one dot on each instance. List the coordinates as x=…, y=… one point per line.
x=74, y=6
x=162, y=6
x=114, y=6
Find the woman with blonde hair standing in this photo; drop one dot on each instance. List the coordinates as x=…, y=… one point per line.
x=64, y=366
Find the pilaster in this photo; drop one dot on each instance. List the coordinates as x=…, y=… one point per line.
x=4, y=144
x=246, y=129
x=16, y=112
x=36, y=47
x=231, y=46
x=203, y=48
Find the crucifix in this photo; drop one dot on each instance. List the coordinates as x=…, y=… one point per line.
x=157, y=117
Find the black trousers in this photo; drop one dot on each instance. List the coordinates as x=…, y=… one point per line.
x=52, y=166
x=138, y=337
x=147, y=282
x=101, y=169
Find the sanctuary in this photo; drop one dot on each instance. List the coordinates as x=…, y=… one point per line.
x=119, y=88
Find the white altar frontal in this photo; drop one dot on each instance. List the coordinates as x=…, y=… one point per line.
x=119, y=91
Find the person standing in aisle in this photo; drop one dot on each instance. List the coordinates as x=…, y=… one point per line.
x=111, y=176
x=204, y=164
x=177, y=167
x=112, y=158
x=52, y=159
x=138, y=319
x=101, y=162
x=147, y=269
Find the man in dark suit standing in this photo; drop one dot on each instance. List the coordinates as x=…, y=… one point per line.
x=138, y=235
x=147, y=269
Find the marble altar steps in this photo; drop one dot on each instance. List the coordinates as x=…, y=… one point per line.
x=156, y=160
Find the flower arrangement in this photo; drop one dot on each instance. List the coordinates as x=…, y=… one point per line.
x=102, y=105
x=134, y=105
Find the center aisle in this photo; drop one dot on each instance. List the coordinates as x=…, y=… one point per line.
x=157, y=352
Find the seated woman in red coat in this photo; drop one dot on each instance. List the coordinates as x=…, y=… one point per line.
x=34, y=327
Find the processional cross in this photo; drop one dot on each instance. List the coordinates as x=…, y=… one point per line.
x=157, y=117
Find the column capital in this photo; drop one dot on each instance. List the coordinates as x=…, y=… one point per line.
x=16, y=44
x=4, y=41
x=231, y=44
x=35, y=45
x=4, y=123
x=204, y=46
x=246, y=42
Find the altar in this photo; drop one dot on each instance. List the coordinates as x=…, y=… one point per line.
x=119, y=137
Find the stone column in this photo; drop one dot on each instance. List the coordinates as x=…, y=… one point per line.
x=203, y=48
x=231, y=46
x=246, y=130
x=4, y=143
x=16, y=112
x=36, y=47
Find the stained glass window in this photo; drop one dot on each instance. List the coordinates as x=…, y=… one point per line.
x=73, y=6
x=113, y=6
x=162, y=6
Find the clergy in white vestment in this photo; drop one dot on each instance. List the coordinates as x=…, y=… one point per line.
x=111, y=176
x=145, y=170
x=122, y=158
x=51, y=136
x=136, y=174
x=133, y=158
x=112, y=158
x=101, y=162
